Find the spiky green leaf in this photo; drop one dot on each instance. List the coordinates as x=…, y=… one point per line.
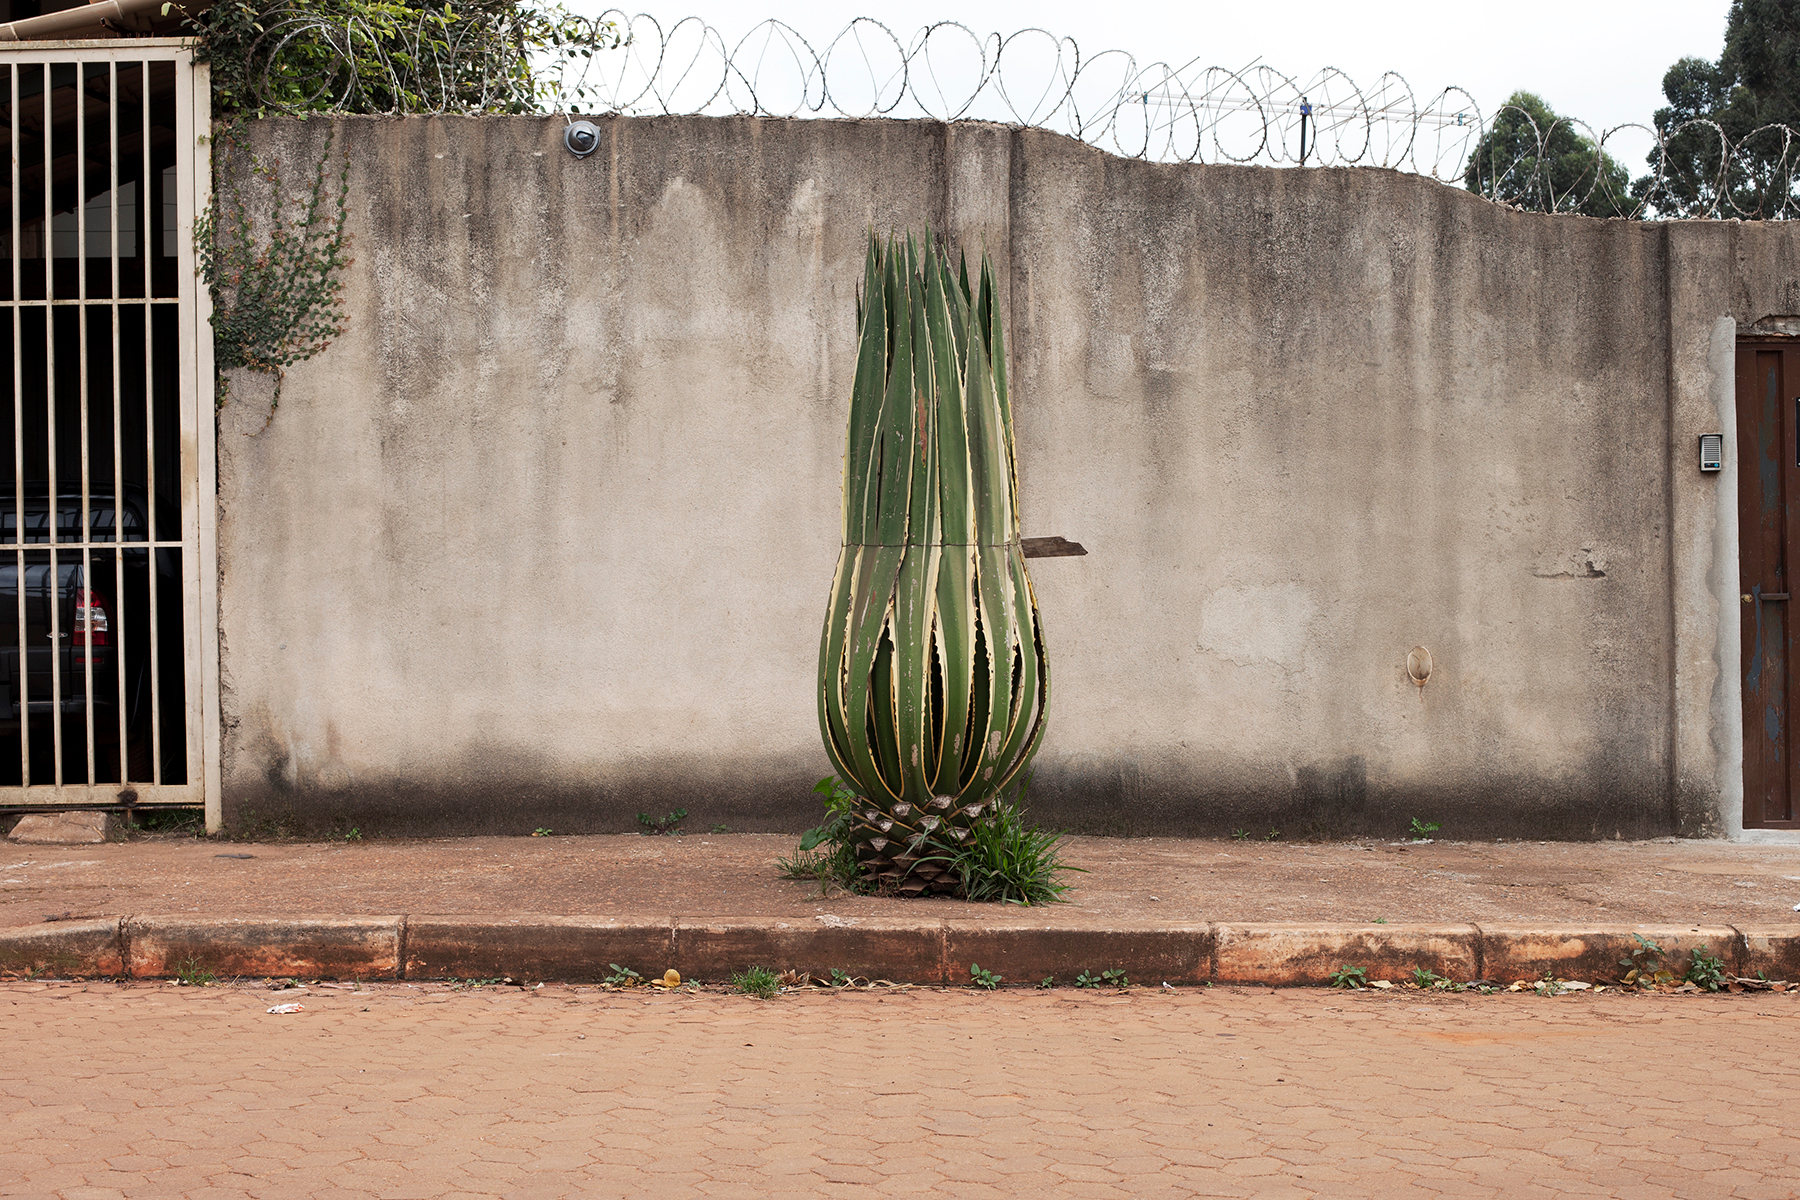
x=932, y=678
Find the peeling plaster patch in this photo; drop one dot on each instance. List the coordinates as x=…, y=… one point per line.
x=1586, y=563
x=1264, y=623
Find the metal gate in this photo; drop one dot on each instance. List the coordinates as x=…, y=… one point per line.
x=106, y=575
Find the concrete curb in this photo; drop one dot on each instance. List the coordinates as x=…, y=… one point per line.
x=532, y=947
x=93, y=947
x=1594, y=952
x=317, y=947
x=1294, y=954
x=1022, y=953
x=580, y=949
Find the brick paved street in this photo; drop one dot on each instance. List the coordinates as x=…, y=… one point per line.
x=405, y=1092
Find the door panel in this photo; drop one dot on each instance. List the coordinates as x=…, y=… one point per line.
x=1768, y=414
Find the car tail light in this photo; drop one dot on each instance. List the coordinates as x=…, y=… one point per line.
x=91, y=625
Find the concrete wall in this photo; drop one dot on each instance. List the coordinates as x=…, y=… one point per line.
x=544, y=538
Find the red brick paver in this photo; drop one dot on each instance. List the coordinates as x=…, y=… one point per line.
x=399, y=1091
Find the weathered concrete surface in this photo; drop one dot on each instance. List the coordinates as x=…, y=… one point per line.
x=1117, y=883
x=1775, y=953
x=1023, y=951
x=531, y=946
x=897, y=949
x=62, y=829
x=918, y=949
x=359, y=947
x=1293, y=953
x=544, y=538
x=1511, y=952
x=710, y=906
x=64, y=948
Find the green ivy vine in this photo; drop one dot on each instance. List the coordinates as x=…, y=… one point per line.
x=277, y=291
x=275, y=276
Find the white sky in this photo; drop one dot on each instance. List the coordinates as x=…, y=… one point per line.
x=1602, y=62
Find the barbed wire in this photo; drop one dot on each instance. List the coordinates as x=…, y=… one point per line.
x=635, y=64
x=436, y=63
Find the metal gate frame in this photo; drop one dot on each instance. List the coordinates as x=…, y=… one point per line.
x=198, y=448
x=1763, y=602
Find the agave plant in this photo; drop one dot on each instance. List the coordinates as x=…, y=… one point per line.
x=932, y=676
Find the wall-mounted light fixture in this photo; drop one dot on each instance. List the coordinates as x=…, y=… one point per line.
x=1712, y=451
x=582, y=138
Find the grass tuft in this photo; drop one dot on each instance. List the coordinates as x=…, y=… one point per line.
x=192, y=973
x=1008, y=861
x=1004, y=860
x=757, y=981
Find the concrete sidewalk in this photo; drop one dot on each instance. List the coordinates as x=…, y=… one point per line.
x=709, y=905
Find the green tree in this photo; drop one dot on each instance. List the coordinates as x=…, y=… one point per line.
x=1533, y=159
x=1728, y=142
x=389, y=56
x=1762, y=44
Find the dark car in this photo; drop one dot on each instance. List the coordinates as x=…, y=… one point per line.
x=85, y=624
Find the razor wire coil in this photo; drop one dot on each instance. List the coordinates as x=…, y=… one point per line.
x=1194, y=113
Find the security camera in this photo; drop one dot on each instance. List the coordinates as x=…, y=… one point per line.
x=582, y=138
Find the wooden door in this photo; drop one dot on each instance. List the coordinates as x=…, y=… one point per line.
x=1768, y=415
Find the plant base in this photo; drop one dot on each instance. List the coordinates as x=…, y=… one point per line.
x=895, y=871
